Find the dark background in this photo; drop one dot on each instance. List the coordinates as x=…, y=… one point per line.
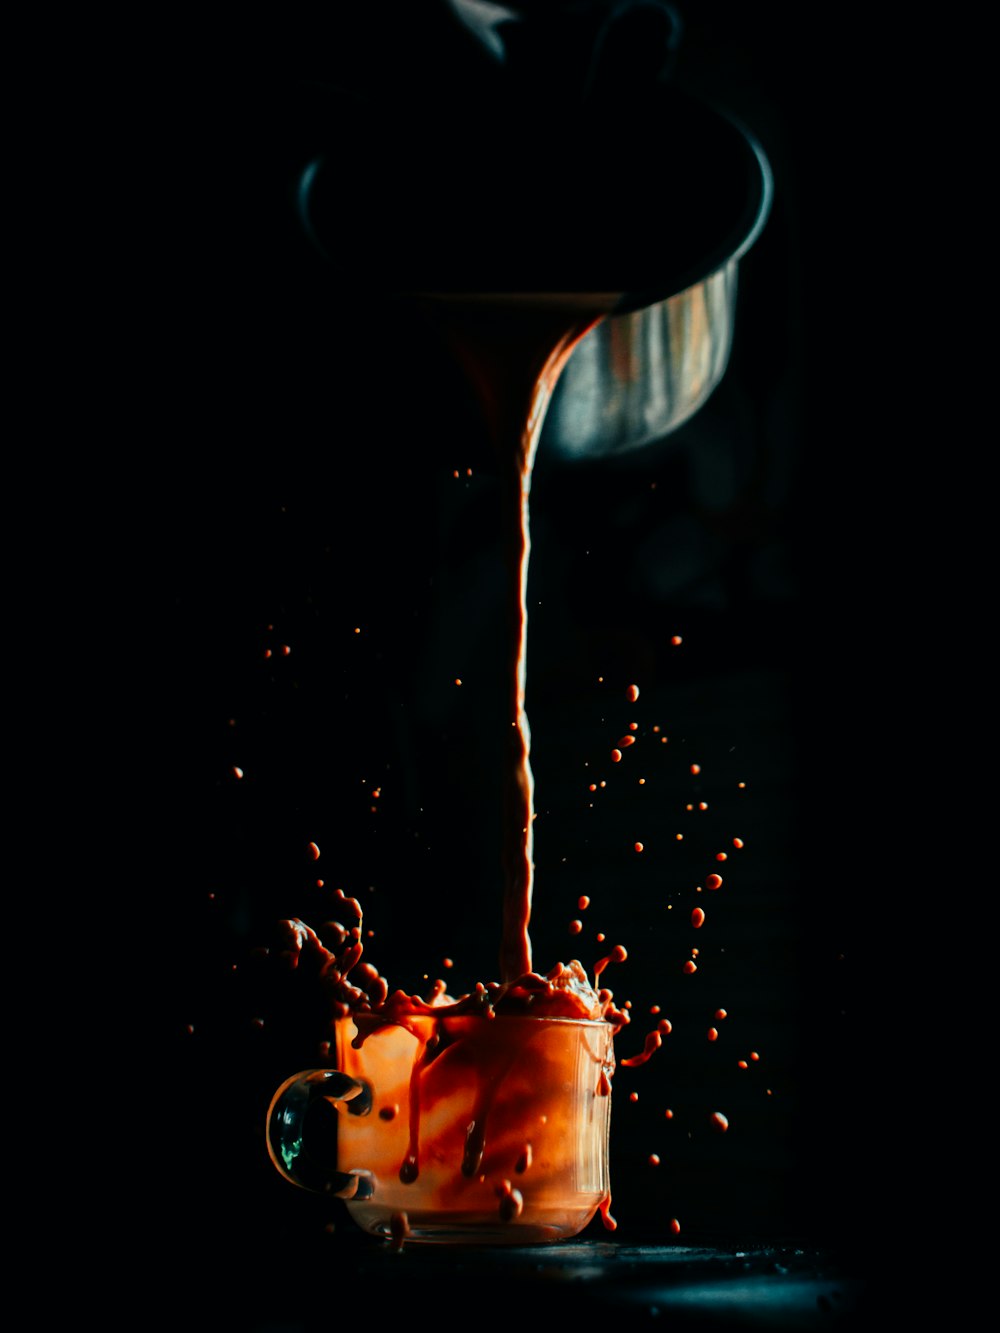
x=296, y=450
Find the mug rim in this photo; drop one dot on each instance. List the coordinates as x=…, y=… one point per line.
x=448, y=1012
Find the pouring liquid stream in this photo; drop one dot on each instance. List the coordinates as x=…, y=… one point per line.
x=513, y=348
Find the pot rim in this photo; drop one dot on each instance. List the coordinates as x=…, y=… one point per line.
x=690, y=196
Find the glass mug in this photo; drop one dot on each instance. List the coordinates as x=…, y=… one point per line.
x=458, y=1127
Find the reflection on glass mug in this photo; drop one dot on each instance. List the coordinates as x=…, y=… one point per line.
x=457, y=1127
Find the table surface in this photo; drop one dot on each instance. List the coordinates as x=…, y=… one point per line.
x=291, y=1282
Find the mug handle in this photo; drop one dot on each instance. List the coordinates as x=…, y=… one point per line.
x=286, y=1118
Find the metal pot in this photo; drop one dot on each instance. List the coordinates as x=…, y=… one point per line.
x=659, y=204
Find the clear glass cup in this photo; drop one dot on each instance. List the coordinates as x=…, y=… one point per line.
x=458, y=1128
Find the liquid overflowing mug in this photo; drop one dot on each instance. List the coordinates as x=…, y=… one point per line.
x=458, y=1127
